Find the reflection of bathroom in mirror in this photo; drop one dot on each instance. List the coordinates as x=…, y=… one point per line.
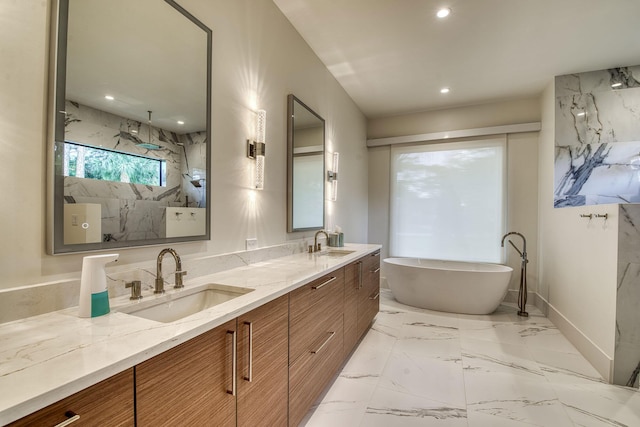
x=305, y=162
x=130, y=126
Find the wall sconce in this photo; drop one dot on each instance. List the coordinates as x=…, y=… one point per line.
x=332, y=176
x=256, y=149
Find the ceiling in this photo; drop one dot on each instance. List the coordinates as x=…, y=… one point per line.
x=393, y=56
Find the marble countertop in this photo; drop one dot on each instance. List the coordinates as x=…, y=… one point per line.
x=48, y=357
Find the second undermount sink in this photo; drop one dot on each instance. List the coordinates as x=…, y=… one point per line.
x=336, y=253
x=185, y=302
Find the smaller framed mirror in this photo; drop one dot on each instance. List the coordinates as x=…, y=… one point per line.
x=305, y=167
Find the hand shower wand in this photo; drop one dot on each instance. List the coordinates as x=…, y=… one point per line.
x=522, y=293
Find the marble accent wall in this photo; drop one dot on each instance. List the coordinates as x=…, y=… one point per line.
x=135, y=211
x=597, y=137
x=627, y=349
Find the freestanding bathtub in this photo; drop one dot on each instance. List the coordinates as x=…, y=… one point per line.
x=452, y=286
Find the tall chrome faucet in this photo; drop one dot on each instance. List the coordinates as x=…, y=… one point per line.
x=179, y=273
x=522, y=293
x=317, y=246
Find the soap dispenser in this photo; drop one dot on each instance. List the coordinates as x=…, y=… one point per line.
x=94, y=299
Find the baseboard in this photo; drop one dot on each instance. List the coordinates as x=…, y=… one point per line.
x=594, y=354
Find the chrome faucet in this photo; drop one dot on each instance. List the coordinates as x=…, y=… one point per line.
x=317, y=246
x=522, y=253
x=179, y=273
x=522, y=293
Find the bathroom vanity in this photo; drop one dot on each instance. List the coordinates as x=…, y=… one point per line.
x=262, y=358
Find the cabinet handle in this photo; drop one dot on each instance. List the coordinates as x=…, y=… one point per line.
x=331, y=335
x=234, y=363
x=376, y=254
x=250, y=373
x=359, y=275
x=375, y=271
x=322, y=285
x=72, y=417
x=375, y=296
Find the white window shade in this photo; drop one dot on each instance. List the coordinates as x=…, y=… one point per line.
x=448, y=200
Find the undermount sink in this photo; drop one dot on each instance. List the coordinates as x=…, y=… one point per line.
x=336, y=253
x=180, y=304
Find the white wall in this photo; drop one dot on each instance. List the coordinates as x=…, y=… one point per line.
x=578, y=259
x=522, y=180
x=258, y=58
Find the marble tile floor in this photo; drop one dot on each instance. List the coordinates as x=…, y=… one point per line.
x=425, y=368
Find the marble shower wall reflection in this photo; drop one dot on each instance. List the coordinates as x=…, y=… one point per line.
x=597, y=137
x=135, y=211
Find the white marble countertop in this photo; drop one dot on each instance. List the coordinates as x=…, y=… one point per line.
x=48, y=357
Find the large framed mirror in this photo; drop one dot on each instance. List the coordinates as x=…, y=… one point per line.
x=305, y=167
x=130, y=126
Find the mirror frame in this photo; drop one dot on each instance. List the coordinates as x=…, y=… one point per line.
x=291, y=100
x=56, y=134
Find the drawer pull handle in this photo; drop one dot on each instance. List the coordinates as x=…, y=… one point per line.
x=72, y=417
x=331, y=335
x=250, y=366
x=375, y=271
x=323, y=284
x=375, y=296
x=376, y=254
x=359, y=275
x=234, y=363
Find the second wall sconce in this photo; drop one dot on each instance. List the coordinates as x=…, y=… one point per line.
x=256, y=149
x=332, y=176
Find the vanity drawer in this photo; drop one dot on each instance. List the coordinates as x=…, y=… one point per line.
x=317, y=292
x=109, y=402
x=310, y=374
x=313, y=311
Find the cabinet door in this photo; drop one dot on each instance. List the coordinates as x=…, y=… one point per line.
x=108, y=403
x=263, y=347
x=369, y=298
x=191, y=384
x=352, y=284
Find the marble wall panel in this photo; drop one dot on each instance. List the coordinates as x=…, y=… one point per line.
x=627, y=344
x=597, y=137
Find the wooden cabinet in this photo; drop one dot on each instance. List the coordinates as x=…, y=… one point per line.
x=352, y=290
x=369, y=298
x=361, y=298
x=109, y=402
x=235, y=374
x=315, y=340
x=263, y=345
x=190, y=384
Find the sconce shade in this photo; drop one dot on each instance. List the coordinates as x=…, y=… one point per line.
x=256, y=149
x=332, y=176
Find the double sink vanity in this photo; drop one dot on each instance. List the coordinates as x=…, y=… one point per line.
x=253, y=345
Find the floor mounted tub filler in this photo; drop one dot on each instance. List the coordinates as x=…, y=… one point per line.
x=451, y=286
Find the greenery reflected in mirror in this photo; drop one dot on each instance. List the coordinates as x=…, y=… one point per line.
x=130, y=125
x=305, y=167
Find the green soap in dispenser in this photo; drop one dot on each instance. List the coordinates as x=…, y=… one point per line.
x=94, y=298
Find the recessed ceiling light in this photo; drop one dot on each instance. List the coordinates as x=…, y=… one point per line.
x=180, y=122
x=443, y=13
x=616, y=85
x=445, y=90
x=109, y=97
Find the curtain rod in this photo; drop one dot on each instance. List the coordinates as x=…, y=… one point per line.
x=464, y=133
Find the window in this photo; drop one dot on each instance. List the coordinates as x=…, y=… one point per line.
x=84, y=161
x=447, y=200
